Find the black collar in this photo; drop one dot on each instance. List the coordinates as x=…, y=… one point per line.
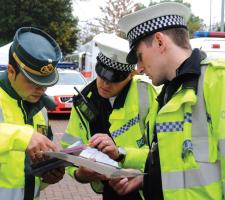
x=190, y=65
x=119, y=101
x=186, y=75
x=121, y=97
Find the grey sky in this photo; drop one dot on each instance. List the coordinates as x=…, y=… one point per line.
x=89, y=9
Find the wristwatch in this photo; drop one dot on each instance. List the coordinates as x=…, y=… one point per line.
x=122, y=154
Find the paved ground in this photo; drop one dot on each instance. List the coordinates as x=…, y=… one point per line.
x=67, y=188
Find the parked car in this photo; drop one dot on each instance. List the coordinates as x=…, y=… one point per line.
x=213, y=43
x=63, y=91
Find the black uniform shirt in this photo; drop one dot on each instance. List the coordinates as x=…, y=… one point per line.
x=101, y=123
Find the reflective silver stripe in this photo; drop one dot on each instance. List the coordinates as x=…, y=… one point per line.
x=36, y=191
x=207, y=174
x=199, y=124
x=1, y=116
x=11, y=194
x=70, y=139
x=223, y=188
x=125, y=127
x=222, y=147
x=143, y=103
x=45, y=115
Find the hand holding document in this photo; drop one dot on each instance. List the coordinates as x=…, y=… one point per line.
x=97, y=161
x=83, y=155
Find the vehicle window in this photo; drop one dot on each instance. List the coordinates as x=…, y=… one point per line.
x=70, y=79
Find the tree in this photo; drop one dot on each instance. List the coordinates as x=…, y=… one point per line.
x=53, y=16
x=113, y=11
x=88, y=30
x=194, y=24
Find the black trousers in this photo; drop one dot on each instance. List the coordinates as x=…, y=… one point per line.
x=152, y=180
x=110, y=194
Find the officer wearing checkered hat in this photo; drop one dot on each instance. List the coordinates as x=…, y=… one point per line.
x=118, y=97
x=25, y=130
x=111, y=61
x=183, y=162
x=151, y=20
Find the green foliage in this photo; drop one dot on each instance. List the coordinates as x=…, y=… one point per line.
x=53, y=16
x=194, y=24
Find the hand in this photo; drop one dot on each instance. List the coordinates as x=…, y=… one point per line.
x=86, y=175
x=53, y=176
x=37, y=144
x=126, y=185
x=104, y=143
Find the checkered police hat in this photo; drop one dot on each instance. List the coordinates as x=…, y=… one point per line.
x=112, y=57
x=37, y=55
x=148, y=21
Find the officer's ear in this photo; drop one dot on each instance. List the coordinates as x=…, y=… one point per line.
x=11, y=72
x=160, y=41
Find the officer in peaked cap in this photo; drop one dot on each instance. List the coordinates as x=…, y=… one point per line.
x=37, y=55
x=25, y=129
x=115, y=128
x=183, y=163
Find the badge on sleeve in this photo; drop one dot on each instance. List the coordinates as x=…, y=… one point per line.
x=45, y=130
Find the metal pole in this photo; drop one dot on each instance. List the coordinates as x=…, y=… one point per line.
x=222, y=17
x=210, y=13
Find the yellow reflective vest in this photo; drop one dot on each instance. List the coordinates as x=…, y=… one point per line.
x=125, y=128
x=192, y=160
x=14, y=138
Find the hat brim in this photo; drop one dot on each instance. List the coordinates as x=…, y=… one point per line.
x=43, y=81
x=132, y=57
x=109, y=74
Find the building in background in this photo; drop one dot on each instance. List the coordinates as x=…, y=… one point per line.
x=86, y=59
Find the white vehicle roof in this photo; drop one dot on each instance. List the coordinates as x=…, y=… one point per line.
x=67, y=70
x=213, y=46
x=67, y=80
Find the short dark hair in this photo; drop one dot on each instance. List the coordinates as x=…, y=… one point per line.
x=13, y=62
x=180, y=37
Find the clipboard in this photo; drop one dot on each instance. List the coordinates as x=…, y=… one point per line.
x=38, y=169
x=109, y=171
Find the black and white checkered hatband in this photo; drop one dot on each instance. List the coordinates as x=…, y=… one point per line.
x=115, y=65
x=151, y=26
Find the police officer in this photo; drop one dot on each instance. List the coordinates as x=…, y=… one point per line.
x=187, y=154
x=24, y=128
x=117, y=128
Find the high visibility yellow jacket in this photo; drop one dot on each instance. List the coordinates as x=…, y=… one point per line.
x=15, y=135
x=192, y=156
x=125, y=127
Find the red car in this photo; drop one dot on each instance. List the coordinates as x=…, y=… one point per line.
x=63, y=91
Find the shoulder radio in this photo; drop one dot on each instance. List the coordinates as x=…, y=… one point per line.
x=87, y=109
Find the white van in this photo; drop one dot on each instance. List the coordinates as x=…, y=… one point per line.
x=213, y=43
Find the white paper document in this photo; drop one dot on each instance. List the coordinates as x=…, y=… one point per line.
x=98, y=156
x=97, y=162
